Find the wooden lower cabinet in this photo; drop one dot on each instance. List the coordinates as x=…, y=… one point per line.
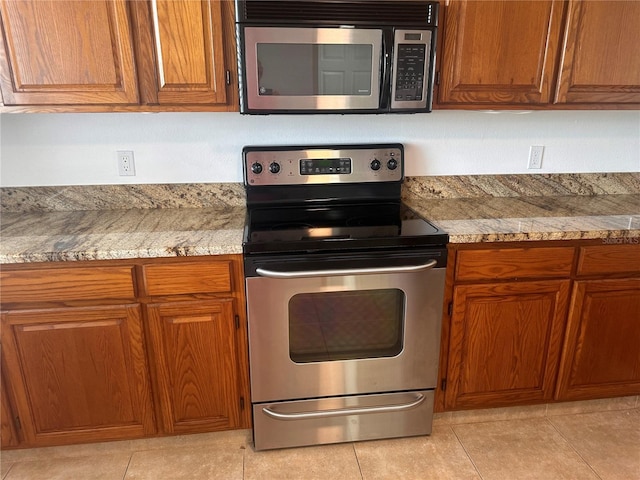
x=95, y=351
x=78, y=373
x=505, y=341
x=602, y=348
x=195, y=359
x=534, y=323
x=9, y=435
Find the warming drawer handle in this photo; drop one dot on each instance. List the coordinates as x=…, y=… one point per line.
x=350, y=271
x=419, y=398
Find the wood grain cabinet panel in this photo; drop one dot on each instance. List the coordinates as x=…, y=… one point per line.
x=600, y=61
x=78, y=373
x=66, y=284
x=118, y=55
x=514, y=263
x=67, y=52
x=499, y=52
x=213, y=276
x=9, y=435
x=196, y=365
x=601, y=354
x=609, y=259
x=505, y=341
x=186, y=55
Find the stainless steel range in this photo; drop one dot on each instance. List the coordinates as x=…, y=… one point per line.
x=344, y=293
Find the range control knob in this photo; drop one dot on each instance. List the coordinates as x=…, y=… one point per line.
x=256, y=168
x=375, y=164
x=392, y=164
x=274, y=167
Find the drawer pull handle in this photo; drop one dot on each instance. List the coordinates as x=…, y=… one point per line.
x=419, y=398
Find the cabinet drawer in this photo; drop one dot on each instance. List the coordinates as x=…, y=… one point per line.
x=491, y=264
x=609, y=259
x=210, y=277
x=63, y=284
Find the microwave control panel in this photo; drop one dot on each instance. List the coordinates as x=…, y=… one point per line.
x=299, y=166
x=411, y=69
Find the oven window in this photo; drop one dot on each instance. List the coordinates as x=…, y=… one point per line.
x=308, y=69
x=346, y=325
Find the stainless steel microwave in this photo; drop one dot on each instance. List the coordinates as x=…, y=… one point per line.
x=328, y=56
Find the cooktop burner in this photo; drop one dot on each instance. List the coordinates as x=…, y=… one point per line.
x=293, y=210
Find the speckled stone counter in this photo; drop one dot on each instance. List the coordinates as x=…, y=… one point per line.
x=118, y=234
x=501, y=219
x=41, y=224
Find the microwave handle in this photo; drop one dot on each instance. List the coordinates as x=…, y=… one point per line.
x=386, y=60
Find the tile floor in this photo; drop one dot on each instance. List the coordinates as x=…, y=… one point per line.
x=579, y=440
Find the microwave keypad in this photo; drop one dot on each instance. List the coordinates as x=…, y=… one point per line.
x=410, y=72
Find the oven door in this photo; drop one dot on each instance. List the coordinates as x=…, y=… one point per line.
x=308, y=69
x=340, y=326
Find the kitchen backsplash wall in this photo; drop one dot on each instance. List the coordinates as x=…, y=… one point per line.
x=203, y=195
x=179, y=148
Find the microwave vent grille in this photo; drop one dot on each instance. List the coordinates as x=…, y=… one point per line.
x=393, y=12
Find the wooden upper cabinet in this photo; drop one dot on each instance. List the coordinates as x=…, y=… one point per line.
x=499, y=52
x=600, y=62
x=117, y=55
x=67, y=52
x=182, y=57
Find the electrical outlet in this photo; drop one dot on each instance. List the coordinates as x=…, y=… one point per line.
x=126, y=165
x=535, y=156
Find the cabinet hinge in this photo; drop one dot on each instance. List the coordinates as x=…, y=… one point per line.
x=450, y=308
x=18, y=424
x=227, y=77
x=237, y=322
x=443, y=384
x=241, y=403
x=437, y=79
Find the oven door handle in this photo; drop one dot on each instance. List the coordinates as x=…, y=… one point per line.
x=399, y=407
x=350, y=271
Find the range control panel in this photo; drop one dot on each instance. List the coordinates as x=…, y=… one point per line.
x=323, y=164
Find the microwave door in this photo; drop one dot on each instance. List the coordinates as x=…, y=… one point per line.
x=308, y=69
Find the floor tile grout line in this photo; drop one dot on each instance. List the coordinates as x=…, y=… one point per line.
x=8, y=471
x=128, y=465
x=475, y=467
x=553, y=425
x=355, y=452
x=244, y=460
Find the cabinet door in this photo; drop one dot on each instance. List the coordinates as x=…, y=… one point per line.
x=505, y=343
x=66, y=52
x=183, y=54
x=600, y=62
x=501, y=52
x=196, y=364
x=78, y=374
x=9, y=437
x=601, y=356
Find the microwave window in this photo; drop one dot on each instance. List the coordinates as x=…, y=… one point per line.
x=304, y=69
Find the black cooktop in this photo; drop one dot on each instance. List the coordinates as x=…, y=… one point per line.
x=337, y=227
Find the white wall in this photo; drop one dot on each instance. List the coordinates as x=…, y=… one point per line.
x=80, y=149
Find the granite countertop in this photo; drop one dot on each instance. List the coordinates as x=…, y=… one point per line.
x=500, y=219
x=104, y=222
x=169, y=232
x=120, y=234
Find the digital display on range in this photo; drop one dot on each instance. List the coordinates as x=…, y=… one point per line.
x=325, y=166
